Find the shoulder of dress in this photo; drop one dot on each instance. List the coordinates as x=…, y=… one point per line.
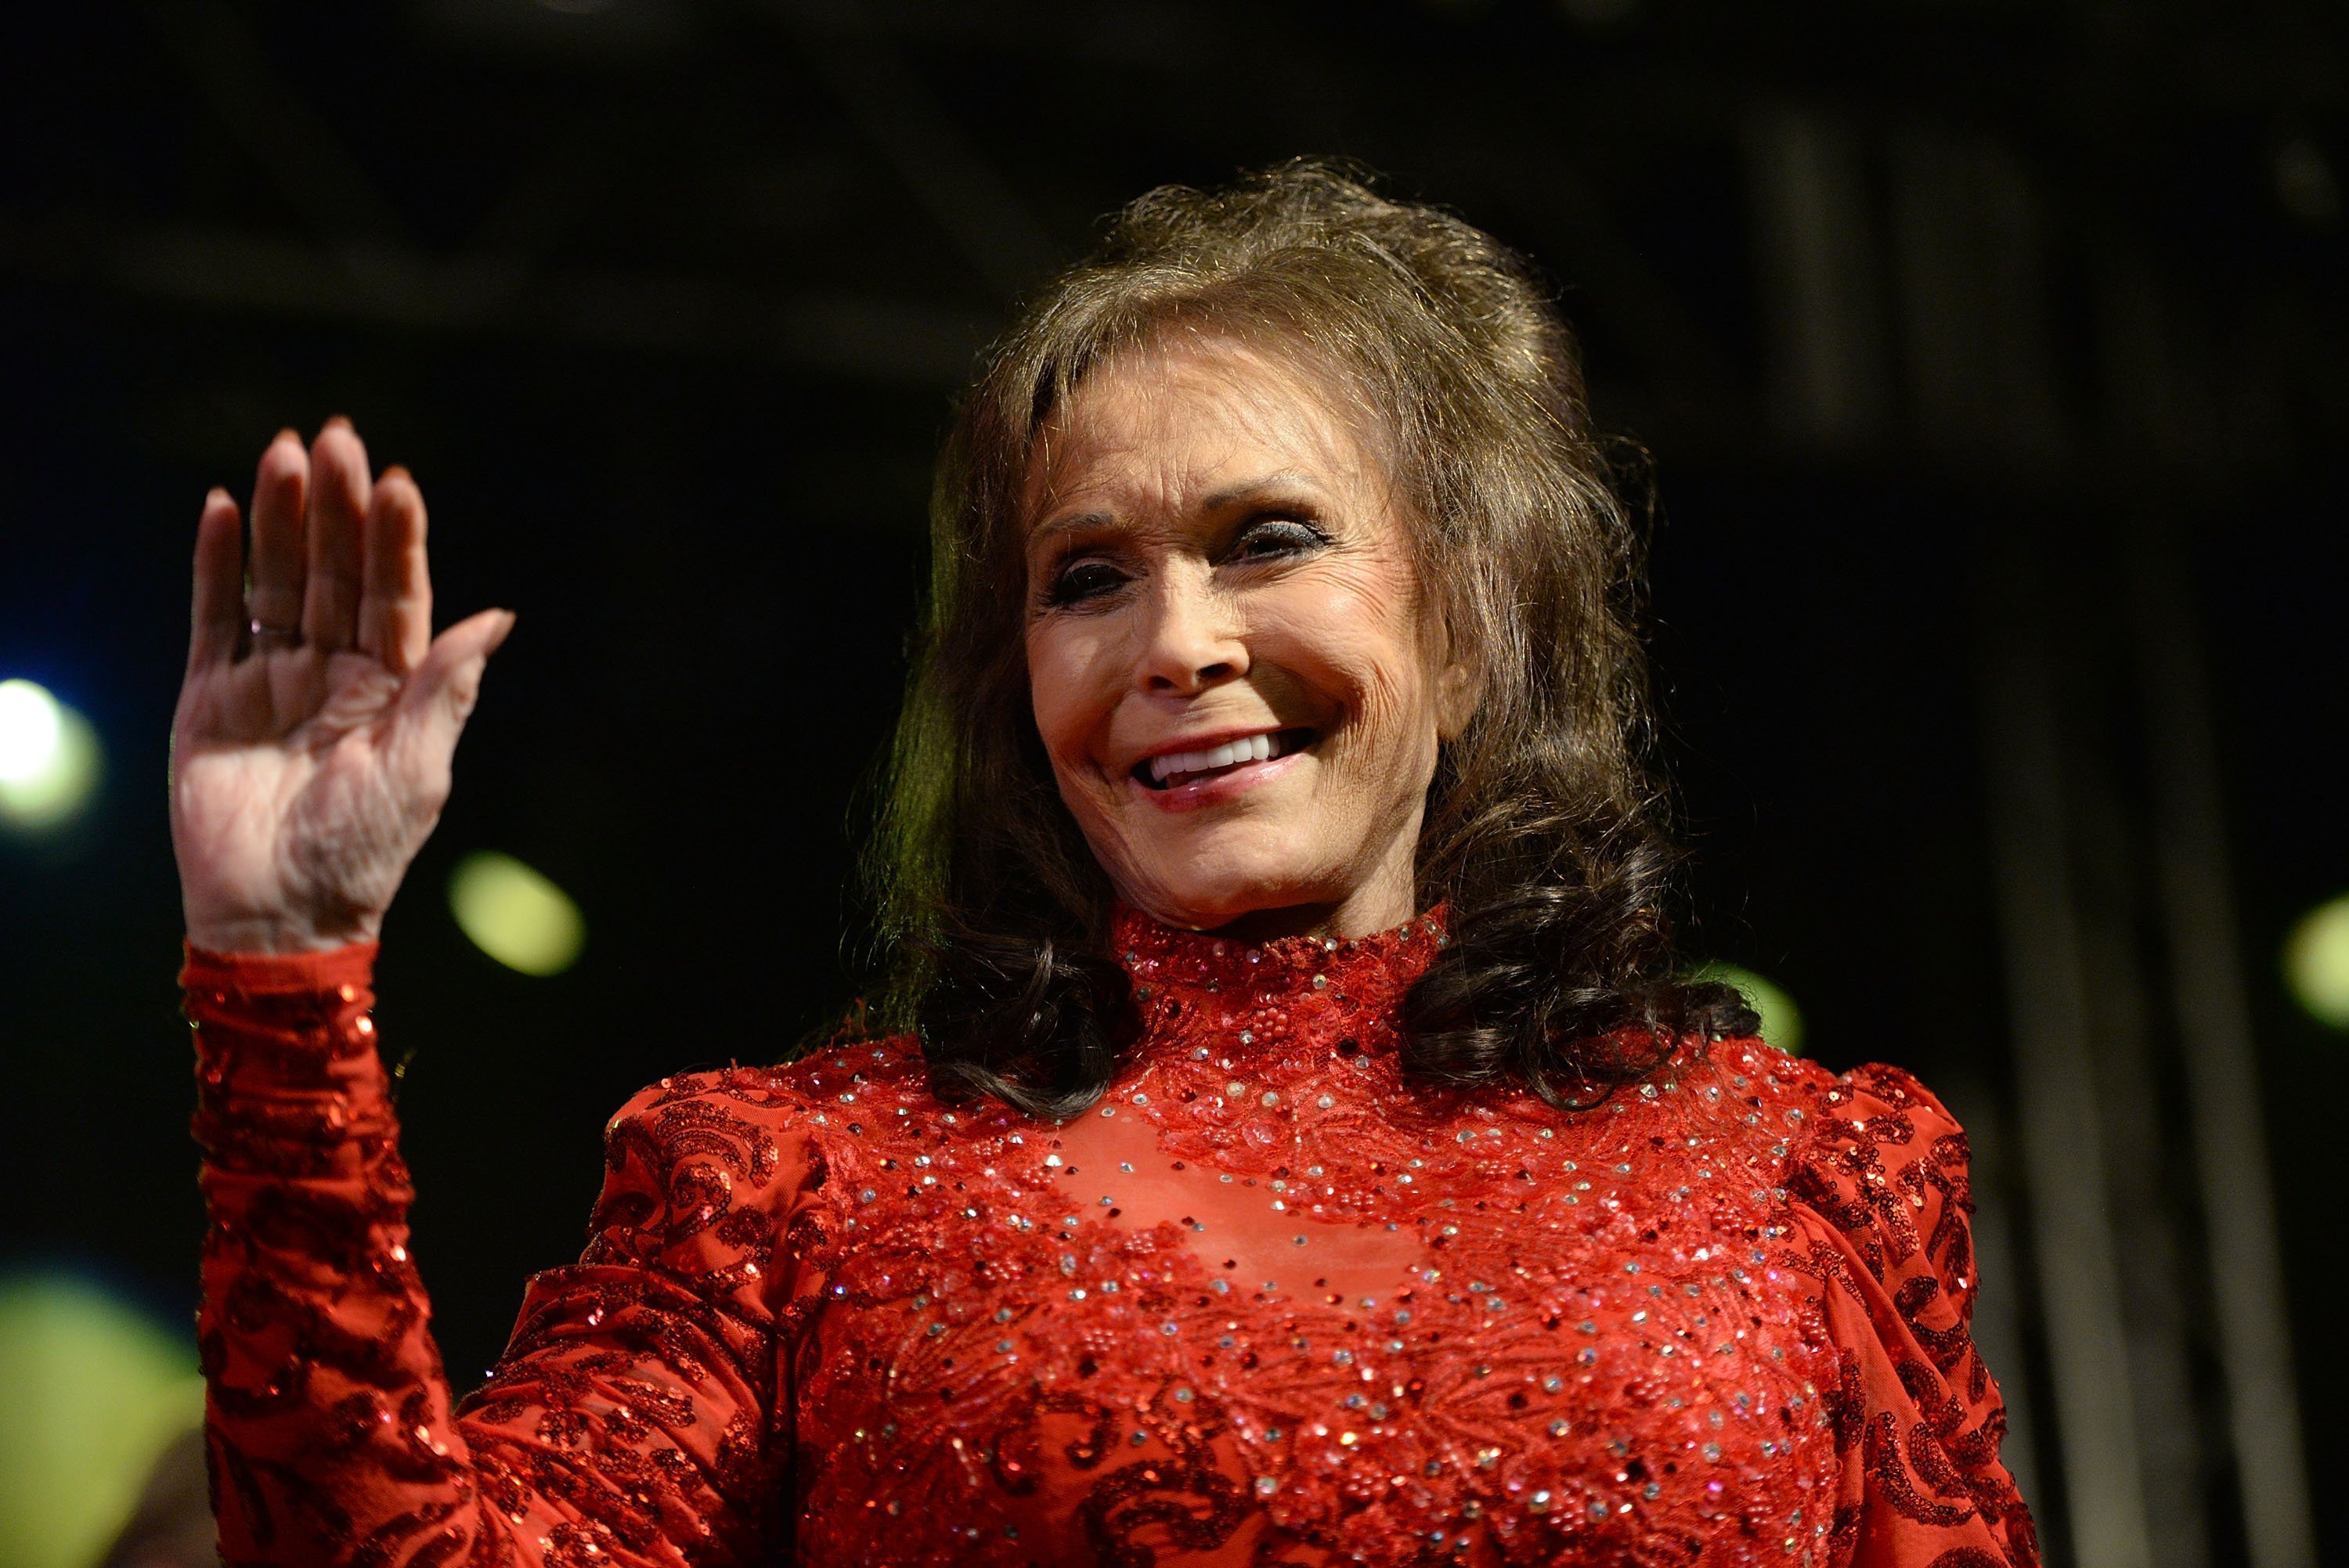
x=1887, y=1107
x=1888, y=1098
x=1734, y=1093
x=729, y=1124
x=782, y=1089
x=1747, y=1071
x=848, y=1065
x=751, y=1121
x=1887, y=1165
x=1848, y=1131
x=859, y=1093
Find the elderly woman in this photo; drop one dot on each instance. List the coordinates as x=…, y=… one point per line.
x=1292, y=1146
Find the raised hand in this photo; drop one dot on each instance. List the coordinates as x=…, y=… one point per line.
x=310, y=754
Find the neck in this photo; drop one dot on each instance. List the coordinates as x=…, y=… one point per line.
x=1355, y=915
x=1379, y=901
x=1278, y=1007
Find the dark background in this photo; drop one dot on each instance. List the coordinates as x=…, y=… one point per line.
x=1933, y=315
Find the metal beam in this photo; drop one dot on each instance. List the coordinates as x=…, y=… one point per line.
x=2230, y=1155
x=400, y=287
x=2060, y=1119
x=273, y=121
x=895, y=109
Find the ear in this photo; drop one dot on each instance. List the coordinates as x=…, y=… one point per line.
x=1459, y=690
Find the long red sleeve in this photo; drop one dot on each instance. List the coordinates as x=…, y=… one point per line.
x=628, y=1421
x=1882, y=1198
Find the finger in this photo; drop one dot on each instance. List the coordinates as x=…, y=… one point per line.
x=396, y=587
x=338, y=504
x=448, y=682
x=273, y=597
x=216, y=610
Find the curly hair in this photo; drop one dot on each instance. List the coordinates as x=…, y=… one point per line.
x=1544, y=832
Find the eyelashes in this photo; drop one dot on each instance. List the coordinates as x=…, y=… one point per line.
x=1277, y=535
x=1085, y=578
x=1082, y=581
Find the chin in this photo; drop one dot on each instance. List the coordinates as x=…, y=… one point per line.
x=1203, y=896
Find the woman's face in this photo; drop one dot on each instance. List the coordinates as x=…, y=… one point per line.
x=1232, y=669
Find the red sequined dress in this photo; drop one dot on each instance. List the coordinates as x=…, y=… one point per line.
x=1264, y=1303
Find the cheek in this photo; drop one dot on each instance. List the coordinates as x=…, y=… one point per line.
x=1398, y=731
x=1357, y=643
x=1066, y=691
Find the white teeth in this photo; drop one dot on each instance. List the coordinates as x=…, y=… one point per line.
x=1249, y=749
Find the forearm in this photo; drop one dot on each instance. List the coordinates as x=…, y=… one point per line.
x=329, y=1416
x=624, y=1426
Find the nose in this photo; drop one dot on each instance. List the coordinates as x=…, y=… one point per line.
x=1192, y=641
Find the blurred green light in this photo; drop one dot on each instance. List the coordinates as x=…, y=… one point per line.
x=1782, y=1021
x=93, y=1391
x=2316, y=962
x=48, y=758
x=514, y=914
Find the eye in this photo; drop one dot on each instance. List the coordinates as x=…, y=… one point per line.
x=1270, y=537
x=1084, y=580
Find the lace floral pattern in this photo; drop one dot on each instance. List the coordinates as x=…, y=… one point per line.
x=1265, y=1304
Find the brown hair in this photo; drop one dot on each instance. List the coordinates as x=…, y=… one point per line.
x=1543, y=831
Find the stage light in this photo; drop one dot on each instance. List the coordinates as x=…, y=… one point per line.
x=2316, y=963
x=514, y=914
x=1782, y=1021
x=48, y=758
x=94, y=1392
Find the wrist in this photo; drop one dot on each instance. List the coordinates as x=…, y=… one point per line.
x=277, y=936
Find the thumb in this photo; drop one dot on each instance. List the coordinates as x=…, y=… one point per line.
x=448, y=682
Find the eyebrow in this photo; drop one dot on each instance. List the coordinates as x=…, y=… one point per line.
x=1077, y=522
x=1280, y=480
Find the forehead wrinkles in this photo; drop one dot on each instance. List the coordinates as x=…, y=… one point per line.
x=1164, y=423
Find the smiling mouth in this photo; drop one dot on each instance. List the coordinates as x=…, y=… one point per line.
x=1178, y=768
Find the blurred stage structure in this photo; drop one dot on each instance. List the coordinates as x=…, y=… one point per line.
x=2072, y=272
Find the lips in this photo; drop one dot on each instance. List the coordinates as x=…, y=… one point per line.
x=1173, y=770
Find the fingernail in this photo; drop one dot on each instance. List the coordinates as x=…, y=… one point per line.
x=335, y=421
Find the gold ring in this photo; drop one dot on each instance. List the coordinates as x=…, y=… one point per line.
x=267, y=637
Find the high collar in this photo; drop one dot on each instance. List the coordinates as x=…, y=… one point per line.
x=1288, y=1005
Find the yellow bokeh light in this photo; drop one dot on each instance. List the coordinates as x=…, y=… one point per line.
x=2316, y=962
x=1782, y=1021
x=48, y=758
x=94, y=1390
x=514, y=914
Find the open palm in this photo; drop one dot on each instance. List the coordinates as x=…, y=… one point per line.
x=310, y=753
